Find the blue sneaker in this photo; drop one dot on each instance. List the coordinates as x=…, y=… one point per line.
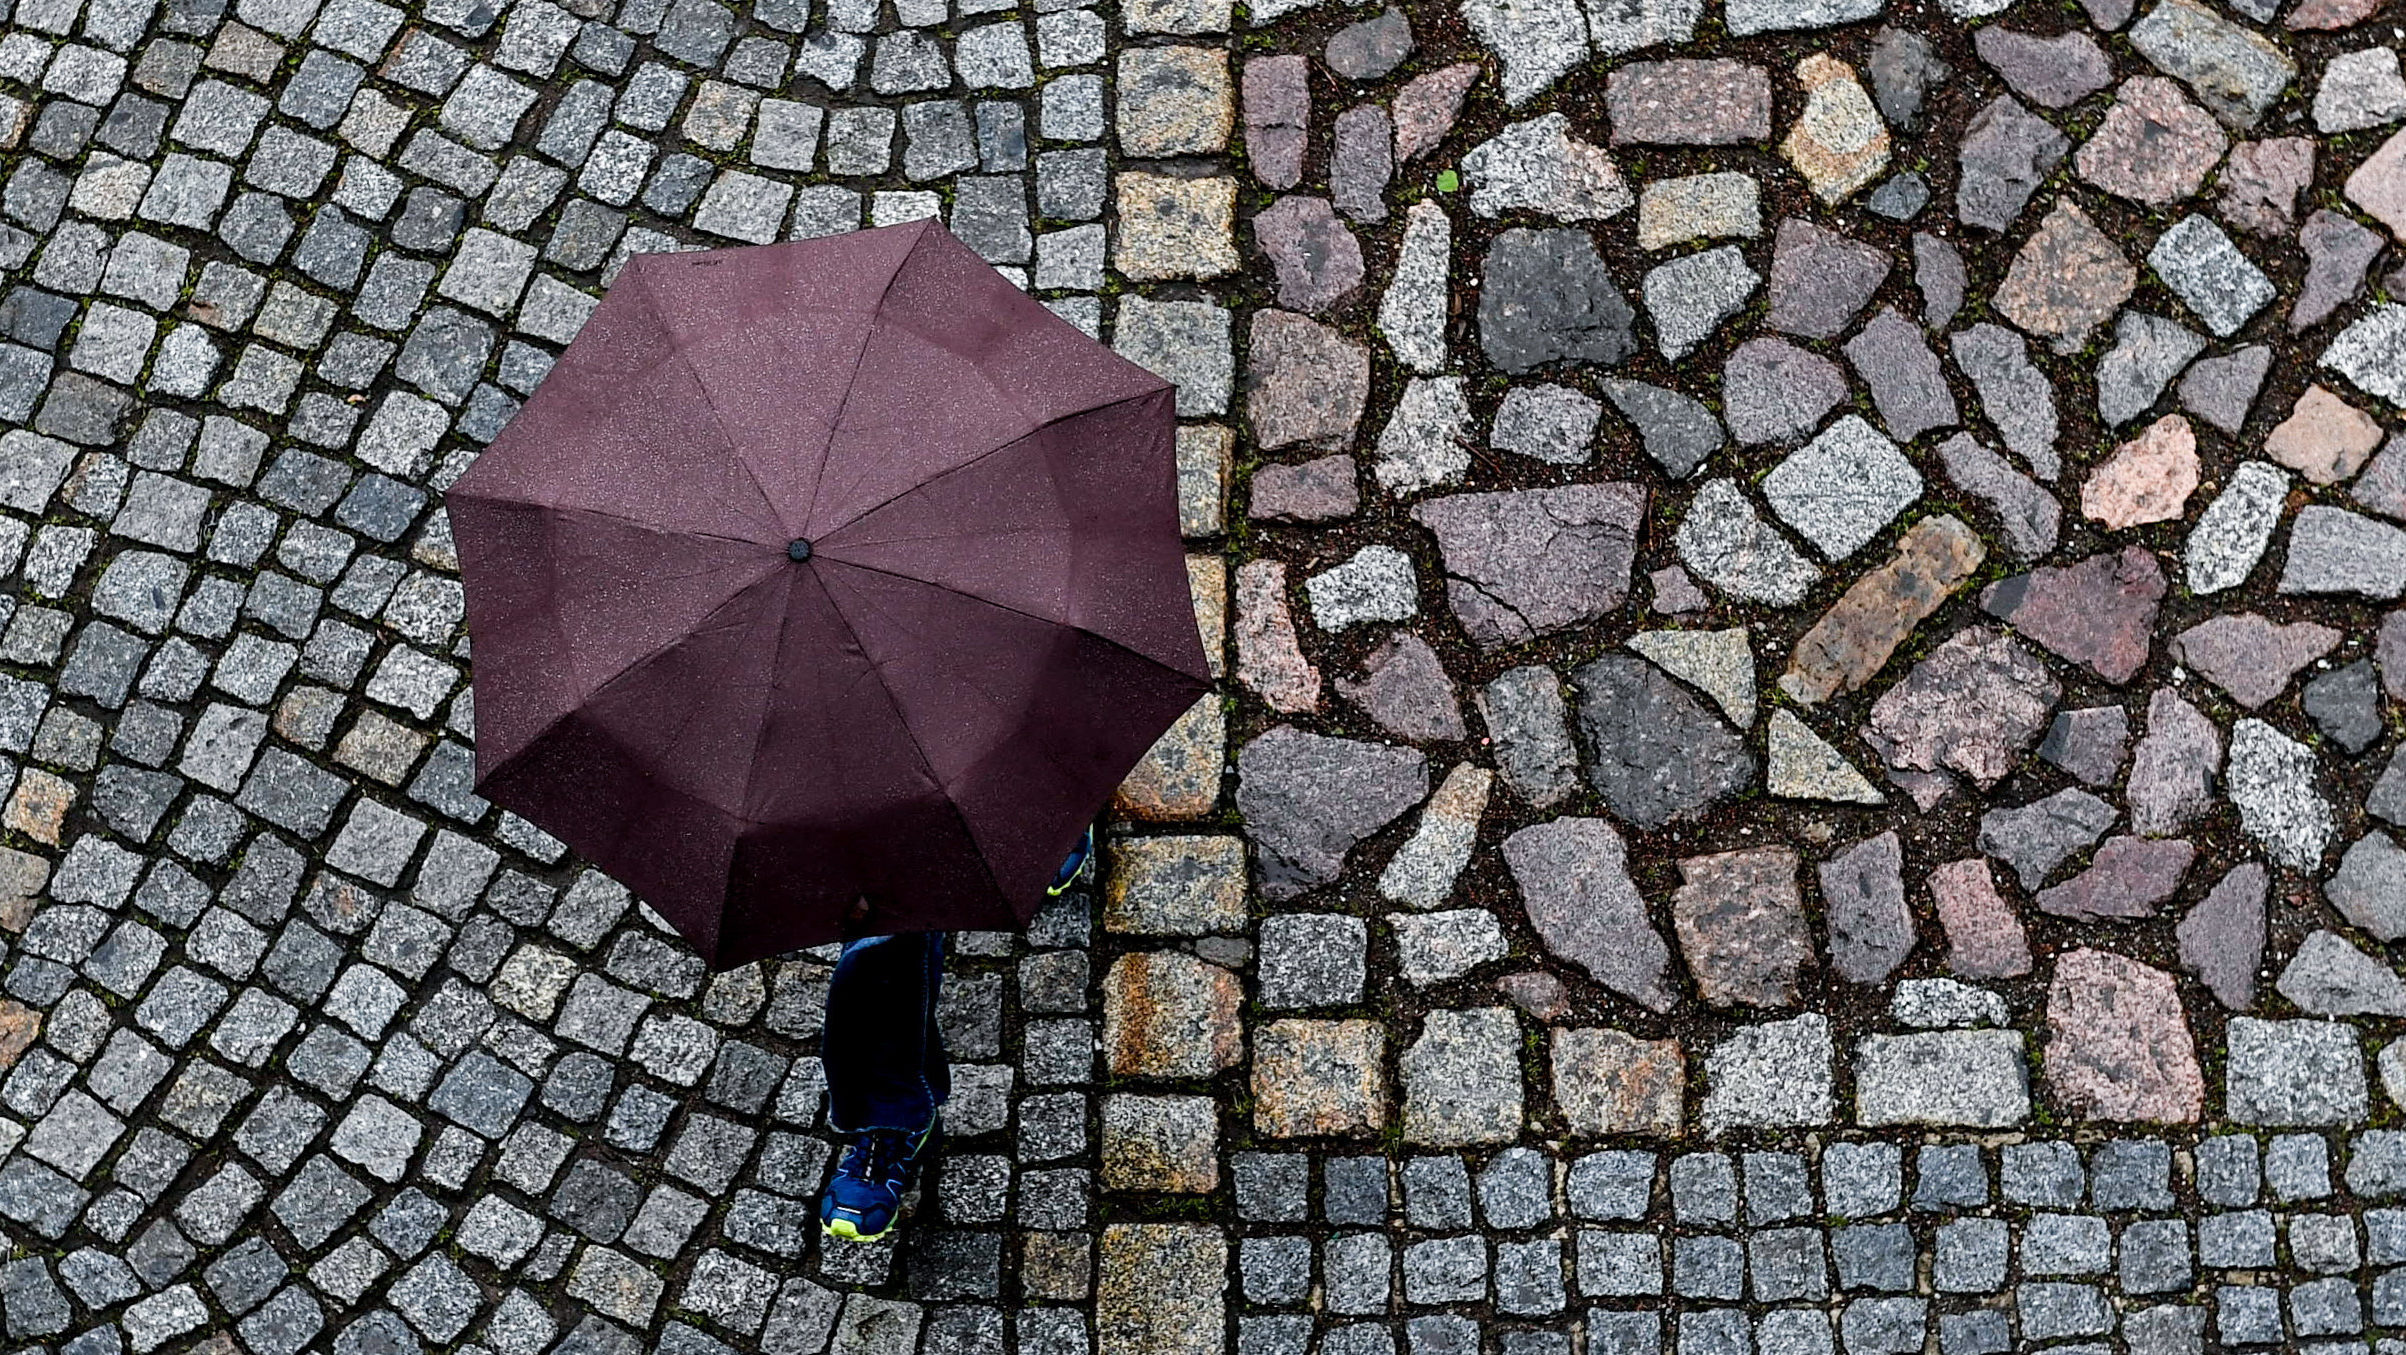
x=1075, y=866
x=878, y=1168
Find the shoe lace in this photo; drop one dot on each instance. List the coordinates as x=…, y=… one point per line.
x=873, y=1155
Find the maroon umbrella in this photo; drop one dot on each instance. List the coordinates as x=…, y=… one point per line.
x=826, y=572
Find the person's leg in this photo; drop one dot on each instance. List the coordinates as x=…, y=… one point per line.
x=886, y=1075
x=883, y=1055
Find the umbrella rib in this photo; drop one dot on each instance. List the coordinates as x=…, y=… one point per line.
x=902, y=718
x=868, y=335
x=994, y=450
x=709, y=399
x=608, y=516
x=980, y=598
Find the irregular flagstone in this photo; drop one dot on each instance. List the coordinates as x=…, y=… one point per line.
x=1426, y=107
x=2007, y=152
x=2173, y=769
x=1971, y=1078
x=2091, y=744
x=1309, y=382
x=1906, y=382
x=1524, y=563
x=2015, y=395
x=1422, y=872
x=2372, y=351
x=1938, y=274
x=1870, y=930
x=1545, y=422
x=1278, y=114
x=1729, y=546
x=1547, y=297
x=1853, y=640
x=2127, y=878
x=2118, y=1042
x=1362, y=163
x=2382, y=487
x=2052, y=72
x=2221, y=285
x=1930, y=1003
x=1657, y=755
x=2331, y=14
x=2369, y=888
x=2250, y=657
x=2029, y=516
x=2153, y=146
x=1972, y=706
x=2098, y=612
x=2294, y=1073
x=1318, y=261
x=2148, y=352
x=1719, y=663
x=1371, y=48
x=1676, y=594
x=2235, y=72
x=1573, y=877
x=2221, y=390
x=1538, y=993
x=1620, y=26
x=2147, y=479
x=1413, y=311
x=1461, y=1079
x=1820, y=280
x=1903, y=67
x=2272, y=784
x=2261, y=181
x=2379, y=185
x=2036, y=838
x=1801, y=765
x=1984, y=938
x=1313, y=1078
x=1777, y=1075
x=1698, y=207
x=1538, y=166
x=1426, y=442
x=1844, y=487
x=1688, y=103
x=2068, y=278
x=1528, y=723
x=1307, y=799
x=1838, y=143
x=1320, y=490
x=1741, y=925
x=1611, y=1082
x=2332, y=550
x=2329, y=977
x=2338, y=253
x=2359, y=89
x=1404, y=687
x=2345, y=704
x=1377, y=584
x=1538, y=41
x=1773, y=391
x=1689, y=297
x=2325, y=438
x=2231, y=533
x=1268, y=658
x=1677, y=432
x=2222, y=937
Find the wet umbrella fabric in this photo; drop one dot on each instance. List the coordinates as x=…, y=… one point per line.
x=821, y=572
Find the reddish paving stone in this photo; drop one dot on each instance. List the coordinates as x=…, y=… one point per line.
x=2222, y=938
x=1278, y=115
x=1611, y=1082
x=1309, y=382
x=1689, y=103
x=2127, y=878
x=1984, y=938
x=2173, y=768
x=1318, y=261
x=1425, y=108
x=2250, y=657
x=2325, y=438
x=2154, y=146
x=2379, y=185
x=1268, y=657
x=2098, y=612
x=1973, y=706
x=2261, y=181
x=2067, y=280
x=1405, y=689
x=2147, y=479
x=1324, y=489
x=1573, y=878
x=1169, y=1015
x=1741, y=924
x=2052, y=72
x=1852, y=641
x=2331, y=14
x=2118, y=1042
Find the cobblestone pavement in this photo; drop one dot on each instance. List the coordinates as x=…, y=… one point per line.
x=1807, y=764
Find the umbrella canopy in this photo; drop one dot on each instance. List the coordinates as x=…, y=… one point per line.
x=825, y=572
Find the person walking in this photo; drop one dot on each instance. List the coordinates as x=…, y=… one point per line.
x=887, y=1074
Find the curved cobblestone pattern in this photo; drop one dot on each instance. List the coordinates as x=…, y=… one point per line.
x=1805, y=590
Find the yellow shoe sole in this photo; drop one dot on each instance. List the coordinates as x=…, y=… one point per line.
x=845, y=1229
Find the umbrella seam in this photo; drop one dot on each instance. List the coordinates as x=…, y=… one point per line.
x=709, y=399
x=603, y=513
x=868, y=335
x=993, y=451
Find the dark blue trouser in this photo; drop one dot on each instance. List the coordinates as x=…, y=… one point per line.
x=883, y=1054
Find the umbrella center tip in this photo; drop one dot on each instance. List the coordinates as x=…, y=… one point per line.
x=797, y=549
